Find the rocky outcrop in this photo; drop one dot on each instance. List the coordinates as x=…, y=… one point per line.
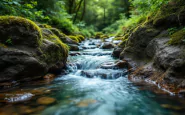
x=28, y=52
x=158, y=56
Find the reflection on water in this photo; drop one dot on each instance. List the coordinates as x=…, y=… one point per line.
x=75, y=94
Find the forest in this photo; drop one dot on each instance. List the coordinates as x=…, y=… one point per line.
x=87, y=17
x=92, y=57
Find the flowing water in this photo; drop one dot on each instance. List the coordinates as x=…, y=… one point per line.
x=76, y=94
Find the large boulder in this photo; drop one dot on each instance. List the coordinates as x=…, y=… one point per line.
x=26, y=52
x=18, y=31
x=139, y=40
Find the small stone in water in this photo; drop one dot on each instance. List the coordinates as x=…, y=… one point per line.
x=45, y=100
x=26, y=110
x=85, y=103
x=49, y=76
x=18, y=97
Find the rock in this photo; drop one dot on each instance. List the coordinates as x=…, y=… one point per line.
x=46, y=100
x=26, y=110
x=18, y=64
x=92, y=43
x=106, y=45
x=30, y=52
x=118, y=65
x=139, y=40
x=91, y=47
x=19, y=31
x=49, y=76
x=85, y=103
x=109, y=65
x=166, y=17
x=103, y=74
x=73, y=47
x=19, y=97
x=116, y=52
x=74, y=53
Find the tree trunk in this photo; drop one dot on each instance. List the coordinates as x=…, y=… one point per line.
x=84, y=9
x=104, y=18
x=79, y=6
x=71, y=4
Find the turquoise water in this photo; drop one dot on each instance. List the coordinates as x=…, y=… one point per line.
x=76, y=94
x=79, y=95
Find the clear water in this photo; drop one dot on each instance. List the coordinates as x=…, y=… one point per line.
x=78, y=95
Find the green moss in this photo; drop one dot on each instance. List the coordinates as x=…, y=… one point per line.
x=178, y=37
x=56, y=31
x=49, y=35
x=3, y=45
x=46, y=26
x=98, y=35
x=167, y=11
x=14, y=20
x=74, y=38
x=82, y=38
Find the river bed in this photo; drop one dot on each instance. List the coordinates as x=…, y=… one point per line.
x=76, y=94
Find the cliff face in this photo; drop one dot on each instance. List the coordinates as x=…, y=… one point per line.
x=156, y=48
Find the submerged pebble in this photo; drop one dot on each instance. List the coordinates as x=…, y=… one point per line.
x=85, y=103
x=46, y=100
x=12, y=98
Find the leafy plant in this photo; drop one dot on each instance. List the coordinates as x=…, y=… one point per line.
x=172, y=30
x=9, y=41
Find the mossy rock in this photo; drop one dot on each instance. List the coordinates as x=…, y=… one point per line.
x=18, y=31
x=98, y=35
x=63, y=52
x=74, y=38
x=170, y=16
x=178, y=37
x=44, y=26
x=82, y=38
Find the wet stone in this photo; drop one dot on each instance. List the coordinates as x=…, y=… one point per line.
x=103, y=74
x=49, y=76
x=13, y=98
x=86, y=103
x=46, y=100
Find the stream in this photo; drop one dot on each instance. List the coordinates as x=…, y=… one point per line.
x=87, y=89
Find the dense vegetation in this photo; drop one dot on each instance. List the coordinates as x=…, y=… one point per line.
x=86, y=17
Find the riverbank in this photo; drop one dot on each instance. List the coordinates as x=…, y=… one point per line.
x=155, y=48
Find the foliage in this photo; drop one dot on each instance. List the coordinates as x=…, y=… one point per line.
x=172, y=30
x=9, y=41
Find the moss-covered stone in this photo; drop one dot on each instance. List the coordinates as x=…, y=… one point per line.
x=82, y=38
x=28, y=52
x=98, y=35
x=74, y=38
x=170, y=15
x=49, y=35
x=177, y=37
x=19, y=31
